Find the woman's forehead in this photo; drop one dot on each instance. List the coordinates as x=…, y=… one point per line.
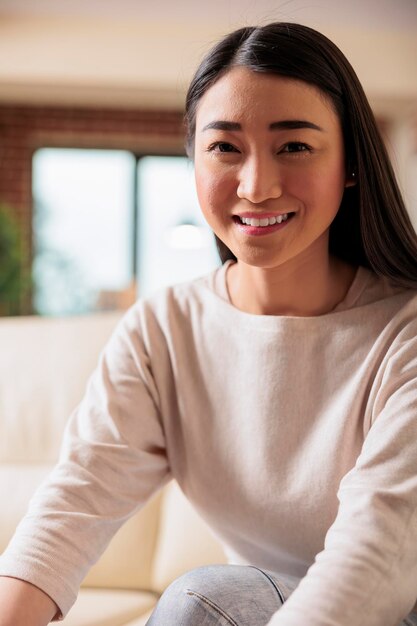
x=242, y=94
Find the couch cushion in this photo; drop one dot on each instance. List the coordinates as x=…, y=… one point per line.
x=141, y=621
x=108, y=608
x=184, y=542
x=44, y=367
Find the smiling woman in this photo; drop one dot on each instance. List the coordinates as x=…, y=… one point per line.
x=372, y=227
x=286, y=163
x=280, y=390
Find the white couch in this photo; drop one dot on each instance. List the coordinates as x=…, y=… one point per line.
x=44, y=367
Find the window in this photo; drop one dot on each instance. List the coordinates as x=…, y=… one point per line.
x=106, y=222
x=174, y=243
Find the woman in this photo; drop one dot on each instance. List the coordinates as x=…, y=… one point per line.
x=280, y=391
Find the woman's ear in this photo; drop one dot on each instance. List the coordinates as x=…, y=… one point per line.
x=351, y=179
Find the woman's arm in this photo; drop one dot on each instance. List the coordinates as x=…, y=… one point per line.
x=23, y=604
x=112, y=460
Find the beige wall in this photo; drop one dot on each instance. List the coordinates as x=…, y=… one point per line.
x=135, y=59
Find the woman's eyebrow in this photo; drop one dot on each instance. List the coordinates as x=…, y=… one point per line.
x=294, y=124
x=282, y=125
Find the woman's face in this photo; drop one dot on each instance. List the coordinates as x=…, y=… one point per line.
x=268, y=148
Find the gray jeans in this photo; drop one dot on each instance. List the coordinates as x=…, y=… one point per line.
x=225, y=595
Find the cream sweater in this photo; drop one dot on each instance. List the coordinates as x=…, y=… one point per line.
x=295, y=438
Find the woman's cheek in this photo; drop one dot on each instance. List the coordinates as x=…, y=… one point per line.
x=329, y=191
x=212, y=191
x=319, y=189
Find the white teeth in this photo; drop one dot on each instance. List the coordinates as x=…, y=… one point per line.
x=265, y=221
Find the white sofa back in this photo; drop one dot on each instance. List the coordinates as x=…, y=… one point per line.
x=44, y=366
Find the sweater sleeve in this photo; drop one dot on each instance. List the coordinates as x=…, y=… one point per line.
x=366, y=574
x=112, y=460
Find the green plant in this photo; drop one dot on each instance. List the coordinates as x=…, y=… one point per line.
x=14, y=276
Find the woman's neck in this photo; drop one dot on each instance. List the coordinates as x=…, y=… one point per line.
x=293, y=289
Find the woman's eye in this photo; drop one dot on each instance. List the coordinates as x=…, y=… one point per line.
x=296, y=146
x=222, y=146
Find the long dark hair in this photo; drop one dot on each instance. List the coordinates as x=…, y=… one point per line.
x=372, y=227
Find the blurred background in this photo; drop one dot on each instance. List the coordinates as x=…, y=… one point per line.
x=97, y=202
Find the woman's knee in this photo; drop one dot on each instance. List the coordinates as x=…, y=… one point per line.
x=181, y=602
x=218, y=594
x=207, y=581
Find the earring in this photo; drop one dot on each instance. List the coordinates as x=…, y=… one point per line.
x=352, y=181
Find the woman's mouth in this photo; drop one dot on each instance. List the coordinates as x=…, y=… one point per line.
x=262, y=225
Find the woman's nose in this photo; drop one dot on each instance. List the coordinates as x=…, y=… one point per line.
x=259, y=181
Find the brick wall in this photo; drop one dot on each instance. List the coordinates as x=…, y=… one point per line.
x=24, y=129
